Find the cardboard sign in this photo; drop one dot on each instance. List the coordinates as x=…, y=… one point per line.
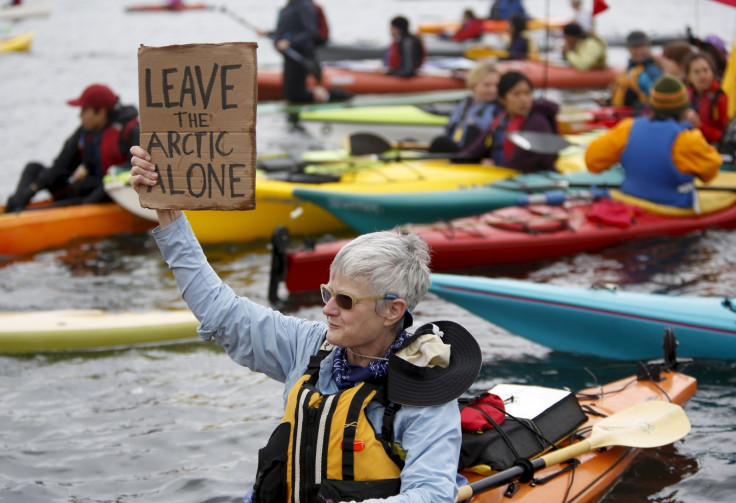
x=198, y=122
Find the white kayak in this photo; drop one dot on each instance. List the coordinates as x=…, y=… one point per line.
x=24, y=10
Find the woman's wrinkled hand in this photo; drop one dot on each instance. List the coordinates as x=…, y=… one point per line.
x=143, y=172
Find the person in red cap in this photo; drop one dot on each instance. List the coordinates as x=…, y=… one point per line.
x=107, y=131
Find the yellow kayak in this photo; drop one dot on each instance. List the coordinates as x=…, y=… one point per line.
x=20, y=42
x=276, y=205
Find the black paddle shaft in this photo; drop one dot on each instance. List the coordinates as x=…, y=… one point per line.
x=310, y=65
x=506, y=476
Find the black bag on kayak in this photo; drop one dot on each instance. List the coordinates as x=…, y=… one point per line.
x=536, y=418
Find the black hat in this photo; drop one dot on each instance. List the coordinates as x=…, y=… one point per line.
x=401, y=23
x=636, y=38
x=409, y=384
x=572, y=30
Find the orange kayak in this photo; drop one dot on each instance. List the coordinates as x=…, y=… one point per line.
x=597, y=471
x=37, y=229
x=360, y=82
x=494, y=25
x=541, y=74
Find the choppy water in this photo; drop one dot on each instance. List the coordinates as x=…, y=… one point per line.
x=184, y=423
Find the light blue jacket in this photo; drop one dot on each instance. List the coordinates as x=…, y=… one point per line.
x=279, y=346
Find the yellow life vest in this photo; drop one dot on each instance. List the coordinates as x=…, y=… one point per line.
x=328, y=446
x=625, y=83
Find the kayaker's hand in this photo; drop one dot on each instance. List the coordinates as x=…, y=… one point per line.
x=143, y=172
x=282, y=44
x=693, y=117
x=79, y=173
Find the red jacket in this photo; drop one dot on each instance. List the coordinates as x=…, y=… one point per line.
x=470, y=30
x=712, y=107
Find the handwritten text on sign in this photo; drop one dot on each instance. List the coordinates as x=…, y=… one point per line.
x=198, y=118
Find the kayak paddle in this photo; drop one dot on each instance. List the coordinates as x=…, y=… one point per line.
x=311, y=66
x=369, y=143
x=552, y=143
x=647, y=424
x=541, y=143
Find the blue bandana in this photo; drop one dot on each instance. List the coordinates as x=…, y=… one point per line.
x=347, y=375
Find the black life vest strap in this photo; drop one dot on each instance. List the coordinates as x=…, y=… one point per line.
x=314, y=365
x=387, y=428
x=351, y=426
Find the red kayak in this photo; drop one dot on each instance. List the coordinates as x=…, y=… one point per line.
x=541, y=74
x=517, y=235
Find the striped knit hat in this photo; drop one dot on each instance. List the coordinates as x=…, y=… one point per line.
x=668, y=97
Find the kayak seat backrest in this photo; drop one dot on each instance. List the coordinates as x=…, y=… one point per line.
x=298, y=177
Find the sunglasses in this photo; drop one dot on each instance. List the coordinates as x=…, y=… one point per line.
x=345, y=301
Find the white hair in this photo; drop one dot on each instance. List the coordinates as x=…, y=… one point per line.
x=393, y=262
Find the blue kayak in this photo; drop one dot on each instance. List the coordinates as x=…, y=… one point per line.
x=604, y=322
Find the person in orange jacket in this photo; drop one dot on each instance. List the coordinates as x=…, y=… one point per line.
x=661, y=154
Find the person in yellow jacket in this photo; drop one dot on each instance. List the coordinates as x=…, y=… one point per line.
x=582, y=50
x=661, y=154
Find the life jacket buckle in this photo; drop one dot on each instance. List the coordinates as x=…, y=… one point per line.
x=358, y=445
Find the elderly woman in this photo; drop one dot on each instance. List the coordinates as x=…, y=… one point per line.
x=388, y=443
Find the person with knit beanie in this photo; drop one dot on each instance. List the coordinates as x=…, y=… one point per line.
x=668, y=97
x=661, y=154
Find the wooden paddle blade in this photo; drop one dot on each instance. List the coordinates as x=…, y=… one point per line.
x=541, y=143
x=647, y=424
x=366, y=144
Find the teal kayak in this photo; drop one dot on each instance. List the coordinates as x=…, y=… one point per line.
x=368, y=212
x=604, y=322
